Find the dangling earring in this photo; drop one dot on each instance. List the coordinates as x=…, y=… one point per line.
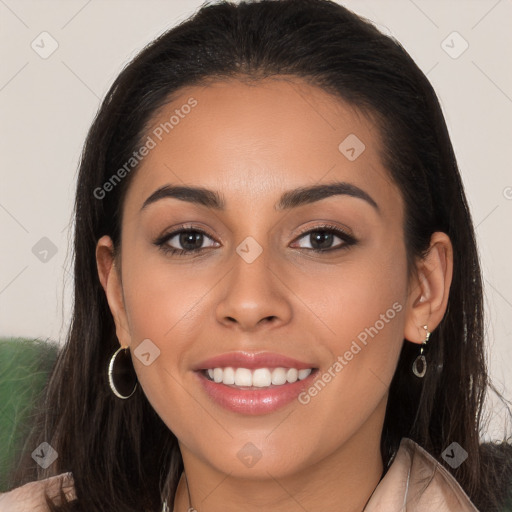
x=121, y=378
x=420, y=360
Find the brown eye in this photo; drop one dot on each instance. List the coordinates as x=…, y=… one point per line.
x=321, y=239
x=189, y=241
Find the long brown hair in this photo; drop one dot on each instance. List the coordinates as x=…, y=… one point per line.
x=120, y=452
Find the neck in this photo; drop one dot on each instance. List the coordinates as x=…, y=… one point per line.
x=343, y=481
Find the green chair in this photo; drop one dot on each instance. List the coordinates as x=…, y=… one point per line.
x=25, y=366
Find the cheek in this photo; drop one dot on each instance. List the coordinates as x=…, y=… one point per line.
x=163, y=295
x=371, y=316
x=371, y=305
x=162, y=303
x=361, y=299
x=365, y=314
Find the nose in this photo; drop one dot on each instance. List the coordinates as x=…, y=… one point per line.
x=254, y=295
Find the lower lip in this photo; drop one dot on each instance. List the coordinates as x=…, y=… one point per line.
x=257, y=401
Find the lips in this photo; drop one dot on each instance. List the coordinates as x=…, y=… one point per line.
x=253, y=400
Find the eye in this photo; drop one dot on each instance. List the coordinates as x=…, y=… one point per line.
x=190, y=239
x=321, y=238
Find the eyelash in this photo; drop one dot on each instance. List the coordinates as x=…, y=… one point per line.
x=161, y=242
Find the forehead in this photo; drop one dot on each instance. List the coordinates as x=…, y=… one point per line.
x=253, y=141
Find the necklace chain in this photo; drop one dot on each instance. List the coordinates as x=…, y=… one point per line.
x=190, y=507
x=165, y=507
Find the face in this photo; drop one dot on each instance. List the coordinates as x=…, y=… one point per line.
x=318, y=277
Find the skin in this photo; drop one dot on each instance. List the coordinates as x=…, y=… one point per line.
x=251, y=143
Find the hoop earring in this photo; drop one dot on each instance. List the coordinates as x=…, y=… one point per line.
x=420, y=360
x=121, y=379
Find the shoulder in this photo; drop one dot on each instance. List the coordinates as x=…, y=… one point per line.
x=416, y=478
x=31, y=496
x=434, y=483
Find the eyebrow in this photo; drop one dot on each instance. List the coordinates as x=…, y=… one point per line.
x=289, y=199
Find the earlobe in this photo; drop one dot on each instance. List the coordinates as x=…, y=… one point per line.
x=110, y=279
x=429, y=289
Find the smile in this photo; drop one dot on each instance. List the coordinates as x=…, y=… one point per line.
x=254, y=392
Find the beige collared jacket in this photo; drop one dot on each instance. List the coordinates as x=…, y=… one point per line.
x=414, y=482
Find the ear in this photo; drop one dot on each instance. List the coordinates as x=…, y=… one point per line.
x=429, y=289
x=110, y=278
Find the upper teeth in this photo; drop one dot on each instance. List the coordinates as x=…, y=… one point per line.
x=260, y=377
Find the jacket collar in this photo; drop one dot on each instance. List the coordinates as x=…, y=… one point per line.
x=416, y=482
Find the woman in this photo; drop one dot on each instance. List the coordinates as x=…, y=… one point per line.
x=278, y=301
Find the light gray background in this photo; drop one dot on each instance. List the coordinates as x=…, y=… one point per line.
x=47, y=106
